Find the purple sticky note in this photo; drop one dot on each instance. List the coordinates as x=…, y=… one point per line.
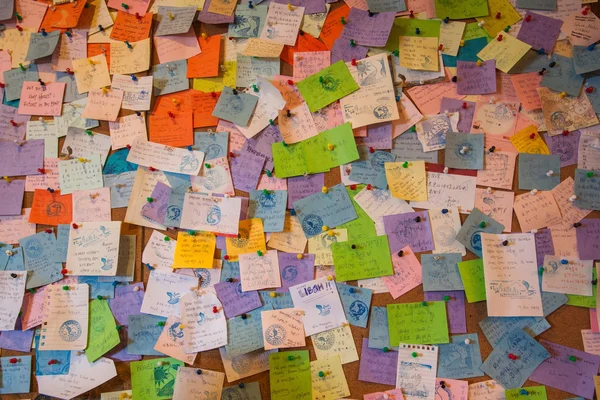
x=543, y=245
x=465, y=115
x=408, y=229
x=368, y=29
x=245, y=170
x=156, y=209
x=377, y=366
x=235, y=302
x=127, y=302
x=567, y=147
x=294, y=270
x=212, y=18
x=539, y=31
x=455, y=306
x=342, y=50
x=11, y=194
x=379, y=136
x=8, y=130
x=476, y=79
x=21, y=159
x=300, y=187
x=588, y=239
x=119, y=352
x=310, y=6
x=222, y=242
x=261, y=144
x=16, y=340
x=561, y=373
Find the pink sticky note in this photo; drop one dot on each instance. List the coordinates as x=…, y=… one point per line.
x=428, y=98
x=38, y=99
x=525, y=85
x=451, y=389
x=32, y=13
x=5, y=63
x=407, y=273
x=594, y=320
x=33, y=305
x=177, y=47
x=103, y=106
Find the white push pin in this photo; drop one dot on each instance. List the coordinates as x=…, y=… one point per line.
x=9, y=253
x=550, y=173
x=227, y=195
x=573, y=198
x=488, y=190
x=534, y=231
x=436, y=258
x=421, y=82
x=136, y=289
x=445, y=170
x=160, y=363
x=467, y=341
x=492, y=100
x=386, y=396
x=464, y=150
x=533, y=192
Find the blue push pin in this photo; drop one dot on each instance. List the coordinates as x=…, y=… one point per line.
x=133, y=77
x=592, y=46
x=564, y=262
x=352, y=290
x=524, y=392
x=397, y=98
x=446, y=20
x=101, y=28
x=129, y=46
x=69, y=34
x=250, y=5
x=541, y=51
x=44, y=33
x=150, y=267
x=292, y=212
x=189, y=148
x=115, y=283
x=241, y=384
x=418, y=31
x=50, y=190
x=445, y=211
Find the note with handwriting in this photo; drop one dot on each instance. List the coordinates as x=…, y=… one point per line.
x=91, y=73
x=320, y=301
x=42, y=100
x=12, y=287
x=282, y=328
x=164, y=292
x=94, y=248
x=166, y=158
x=152, y=381
x=407, y=180
x=80, y=173
x=536, y=211
x=407, y=275
x=282, y=24
x=416, y=375
x=418, y=323
x=333, y=385
x=205, y=329
x=507, y=52
x=567, y=275
x=327, y=86
x=18, y=159
x=202, y=386
x=194, y=250
x=104, y=336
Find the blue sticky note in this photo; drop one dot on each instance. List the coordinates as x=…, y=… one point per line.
x=356, y=302
x=552, y=301
x=470, y=233
x=586, y=59
x=468, y=52
x=143, y=332
x=236, y=108
x=386, y=6
x=16, y=262
x=270, y=207
x=170, y=78
x=16, y=340
x=379, y=333
x=62, y=242
x=71, y=91
x=42, y=44
x=117, y=163
x=120, y=186
x=174, y=210
x=459, y=360
x=14, y=78
x=61, y=367
x=464, y=151
x=594, y=81
x=279, y=302
x=179, y=183
x=562, y=77
x=15, y=377
x=508, y=373
x=532, y=61
x=440, y=272
x=229, y=269
x=537, y=4
x=587, y=189
x=496, y=328
x=3, y=256
x=212, y=144
x=371, y=170
x=534, y=171
x=245, y=335
x=104, y=289
x=41, y=259
x=324, y=209
x=248, y=22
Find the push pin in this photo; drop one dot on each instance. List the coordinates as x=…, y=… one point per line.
x=590, y=174
x=250, y=5
x=541, y=72
x=533, y=192
x=400, y=253
x=562, y=95
x=324, y=189
x=498, y=15
x=417, y=31
x=352, y=43
x=478, y=63
x=455, y=79
x=44, y=33
x=464, y=150
x=585, y=11
x=290, y=7
x=343, y=21
x=552, y=64
x=100, y=28
x=171, y=16
x=592, y=46
x=467, y=341
x=329, y=277
x=446, y=20
x=371, y=14
x=405, y=164
x=353, y=62
x=446, y=170
x=412, y=14
x=541, y=51
x=550, y=173
x=532, y=136
x=482, y=224
x=564, y=261
x=573, y=198
x=576, y=224
x=500, y=37
x=507, y=28
x=481, y=23
x=125, y=6
x=528, y=18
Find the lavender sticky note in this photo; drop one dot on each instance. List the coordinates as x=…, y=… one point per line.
x=300, y=187
x=21, y=159
x=561, y=372
x=11, y=194
x=455, y=308
x=377, y=366
x=474, y=79
x=16, y=340
x=539, y=31
x=294, y=270
x=126, y=302
x=567, y=147
x=156, y=210
x=543, y=245
x=261, y=144
x=465, y=115
x=212, y=18
x=379, y=136
x=235, y=302
x=245, y=171
x=588, y=239
x=406, y=230
x=310, y=6
x=342, y=50
x=368, y=29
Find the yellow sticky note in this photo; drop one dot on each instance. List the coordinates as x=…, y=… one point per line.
x=502, y=14
x=251, y=238
x=450, y=36
x=420, y=53
x=91, y=73
x=320, y=245
x=528, y=140
x=407, y=180
x=291, y=239
x=125, y=60
x=328, y=379
x=195, y=250
x=256, y=47
x=227, y=76
x=507, y=52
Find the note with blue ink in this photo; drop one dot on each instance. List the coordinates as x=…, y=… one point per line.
x=16, y=377
x=464, y=150
x=235, y=302
x=470, y=233
x=295, y=269
x=440, y=272
x=370, y=169
x=379, y=334
x=496, y=328
x=234, y=106
x=538, y=171
x=18, y=159
x=269, y=205
x=357, y=303
x=585, y=59
x=41, y=259
x=279, y=302
x=143, y=333
x=461, y=358
x=245, y=333
x=212, y=144
x=562, y=77
x=97, y=288
x=170, y=78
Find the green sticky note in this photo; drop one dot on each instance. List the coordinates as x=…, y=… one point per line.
x=408, y=27
x=363, y=226
x=526, y=393
x=416, y=323
x=289, y=373
x=288, y=160
x=585, y=301
x=370, y=258
x=474, y=31
x=471, y=273
x=103, y=334
x=330, y=149
x=154, y=379
x=326, y=86
x=461, y=9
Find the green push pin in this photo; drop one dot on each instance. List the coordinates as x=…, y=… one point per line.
x=269, y=173
x=446, y=298
x=572, y=358
x=405, y=164
x=413, y=128
x=507, y=29
x=149, y=199
x=191, y=233
x=271, y=122
x=167, y=238
x=32, y=290
x=18, y=16
x=424, y=303
x=160, y=323
x=540, y=270
x=255, y=88
x=482, y=224
x=385, y=349
x=65, y=288
x=396, y=53
x=321, y=79
x=589, y=174
x=352, y=43
x=125, y=6
x=284, y=144
x=291, y=358
x=415, y=354
x=321, y=374
x=22, y=67
x=260, y=253
x=99, y=297
x=118, y=327
x=89, y=132
x=266, y=192
x=207, y=166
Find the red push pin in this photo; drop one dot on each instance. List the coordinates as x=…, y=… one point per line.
x=353, y=187
x=589, y=89
x=499, y=38
x=512, y=356
x=138, y=16
x=498, y=15
x=371, y=150
x=441, y=47
x=49, y=231
x=13, y=123
x=64, y=271
x=532, y=136
x=584, y=12
x=354, y=62
x=565, y=133
x=215, y=309
x=290, y=82
x=41, y=171
x=528, y=18
x=152, y=169
x=171, y=114
x=464, y=105
x=369, y=187
x=226, y=257
x=52, y=362
x=21, y=29
x=128, y=147
x=213, y=94
x=69, y=72
x=231, y=154
x=75, y=226
x=2, y=85
x=13, y=360
x=412, y=14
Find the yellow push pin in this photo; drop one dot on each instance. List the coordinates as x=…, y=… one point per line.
x=325, y=228
x=171, y=16
x=479, y=63
x=330, y=146
x=181, y=326
x=290, y=7
x=562, y=95
x=330, y=232
x=105, y=90
x=7, y=179
x=329, y=277
x=462, y=43
x=272, y=294
x=204, y=35
x=91, y=62
x=174, y=100
x=80, y=159
x=299, y=256
x=324, y=189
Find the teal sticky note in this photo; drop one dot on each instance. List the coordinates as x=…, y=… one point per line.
x=279, y=302
x=329, y=209
x=586, y=59
x=248, y=22
x=15, y=377
x=170, y=77
x=42, y=44
x=464, y=151
x=3, y=256
x=562, y=77
x=230, y=269
x=270, y=207
x=143, y=332
x=14, y=78
x=379, y=334
x=236, y=108
x=594, y=81
x=468, y=52
x=245, y=334
x=470, y=233
x=174, y=210
x=371, y=170
x=532, y=61
x=440, y=272
x=534, y=171
x=496, y=328
x=116, y=163
x=179, y=183
x=212, y=144
x=459, y=360
x=16, y=262
x=40, y=259
x=71, y=91
x=356, y=302
x=587, y=189
x=62, y=242
x=42, y=367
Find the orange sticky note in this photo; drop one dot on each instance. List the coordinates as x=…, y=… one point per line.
x=304, y=43
x=51, y=208
x=526, y=87
x=94, y=49
x=129, y=27
x=175, y=129
x=206, y=64
x=332, y=27
x=65, y=15
x=203, y=105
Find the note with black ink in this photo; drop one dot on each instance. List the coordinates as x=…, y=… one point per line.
x=416, y=375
